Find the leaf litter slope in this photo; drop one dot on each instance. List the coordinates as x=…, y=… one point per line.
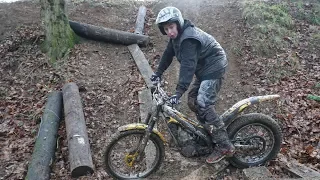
x=105, y=73
x=109, y=81
x=107, y=78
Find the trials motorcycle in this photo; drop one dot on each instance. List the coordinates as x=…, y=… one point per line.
x=137, y=150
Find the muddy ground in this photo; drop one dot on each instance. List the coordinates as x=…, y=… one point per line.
x=106, y=74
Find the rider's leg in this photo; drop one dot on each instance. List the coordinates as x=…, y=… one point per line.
x=192, y=98
x=206, y=99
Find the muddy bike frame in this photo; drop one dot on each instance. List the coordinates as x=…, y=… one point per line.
x=170, y=114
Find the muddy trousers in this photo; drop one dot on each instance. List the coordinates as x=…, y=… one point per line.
x=202, y=98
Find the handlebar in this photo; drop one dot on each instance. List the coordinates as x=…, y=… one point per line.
x=159, y=93
x=158, y=90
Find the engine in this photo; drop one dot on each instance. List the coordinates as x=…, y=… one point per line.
x=185, y=137
x=190, y=143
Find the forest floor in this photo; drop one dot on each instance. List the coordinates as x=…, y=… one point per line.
x=109, y=80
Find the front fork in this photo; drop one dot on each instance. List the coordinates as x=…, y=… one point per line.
x=150, y=121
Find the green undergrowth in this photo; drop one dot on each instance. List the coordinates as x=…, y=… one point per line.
x=283, y=34
x=271, y=27
x=309, y=12
x=315, y=40
x=274, y=25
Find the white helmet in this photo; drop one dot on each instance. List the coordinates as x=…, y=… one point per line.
x=168, y=15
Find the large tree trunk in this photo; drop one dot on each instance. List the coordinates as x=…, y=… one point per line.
x=59, y=36
x=78, y=142
x=98, y=33
x=43, y=153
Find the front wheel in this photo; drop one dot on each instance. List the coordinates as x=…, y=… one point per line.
x=257, y=138
x=123, y=161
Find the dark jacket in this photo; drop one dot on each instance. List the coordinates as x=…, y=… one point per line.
x=198, y=53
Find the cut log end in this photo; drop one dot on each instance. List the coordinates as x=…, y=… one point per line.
x=81, y=171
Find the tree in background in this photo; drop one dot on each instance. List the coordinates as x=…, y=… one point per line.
x=59, y=36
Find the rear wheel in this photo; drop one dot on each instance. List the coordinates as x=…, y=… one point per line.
x=257, y=138
x=122, y=161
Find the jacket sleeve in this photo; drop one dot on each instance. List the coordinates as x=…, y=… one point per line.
x=166, y=59
x=188, y=64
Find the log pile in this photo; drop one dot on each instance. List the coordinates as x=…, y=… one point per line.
x=78, y=143
x=69, y=102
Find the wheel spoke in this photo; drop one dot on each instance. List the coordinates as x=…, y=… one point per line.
x=125, y=162
x=259, y=138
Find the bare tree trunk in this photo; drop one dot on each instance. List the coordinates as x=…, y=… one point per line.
x=59, y=36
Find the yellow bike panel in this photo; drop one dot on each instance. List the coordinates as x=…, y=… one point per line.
x=173, y=121
x=244, y=106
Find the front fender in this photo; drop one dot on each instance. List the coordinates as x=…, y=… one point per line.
x=140, y=126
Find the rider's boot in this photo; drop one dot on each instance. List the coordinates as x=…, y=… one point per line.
x=224, y=148
x=200, y=119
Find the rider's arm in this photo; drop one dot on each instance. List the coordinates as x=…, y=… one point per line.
x=188, y=64
x=166, y=59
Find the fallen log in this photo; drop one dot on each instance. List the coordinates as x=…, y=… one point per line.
x=207, y=171
x=297, y=169
x=78, y=142
x=145, y=101
x=140, y=20
x=301, y=171
x=108, y=35
x=260, y=172
x=44, y=149
x=142, y=63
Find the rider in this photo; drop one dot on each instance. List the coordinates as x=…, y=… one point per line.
x=200, y=54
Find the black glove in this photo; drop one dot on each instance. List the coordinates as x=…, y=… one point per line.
x=175, y=99
x=155, y=78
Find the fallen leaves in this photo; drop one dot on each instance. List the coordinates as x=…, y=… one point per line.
x=293, y=74
x=109, y=96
